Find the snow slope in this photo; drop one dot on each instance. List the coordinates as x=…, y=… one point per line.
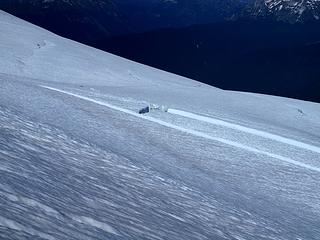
x=79, y=162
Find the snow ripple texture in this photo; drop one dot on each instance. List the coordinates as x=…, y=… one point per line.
x=56, y=187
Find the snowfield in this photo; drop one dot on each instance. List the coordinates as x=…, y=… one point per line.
x=77, y=160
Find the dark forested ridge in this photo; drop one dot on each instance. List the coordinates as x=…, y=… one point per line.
x=256, y=56
x=89, y=20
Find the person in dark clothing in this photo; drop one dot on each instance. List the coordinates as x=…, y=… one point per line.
x=144, y=110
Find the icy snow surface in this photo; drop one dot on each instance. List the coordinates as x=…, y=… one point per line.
x=79, y=162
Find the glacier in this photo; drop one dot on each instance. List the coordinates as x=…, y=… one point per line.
x=79, y=162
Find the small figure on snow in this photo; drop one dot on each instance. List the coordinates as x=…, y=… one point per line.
x=144, y=110
x=153, y=107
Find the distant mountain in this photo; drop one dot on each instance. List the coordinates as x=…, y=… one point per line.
x=89, y=20
x=80, y=20
x=179, y=13
x=269, y=57
x=285, y=10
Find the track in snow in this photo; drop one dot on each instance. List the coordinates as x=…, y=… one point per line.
x=200, y=134
x=246, y=130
